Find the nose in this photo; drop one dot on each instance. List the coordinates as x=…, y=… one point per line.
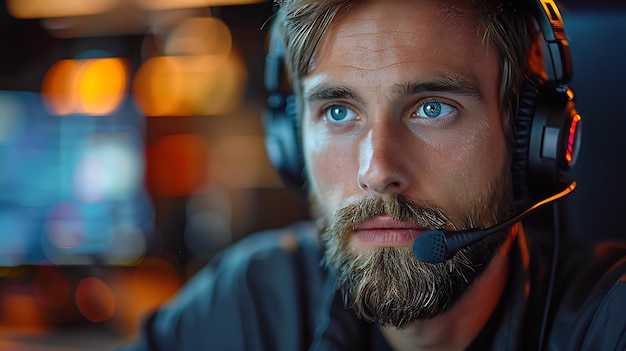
x=383, y=166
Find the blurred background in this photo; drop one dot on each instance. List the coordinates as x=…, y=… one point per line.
x=131, y=150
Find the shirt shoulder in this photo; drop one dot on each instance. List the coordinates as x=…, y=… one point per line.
x=267, y=284
x=592, y=313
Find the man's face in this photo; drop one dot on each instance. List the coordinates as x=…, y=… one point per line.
x=402, y=132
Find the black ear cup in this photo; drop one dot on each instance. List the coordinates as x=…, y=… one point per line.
x=546, y=139
x=282, y=139
x=523, y=119
x=280, y=118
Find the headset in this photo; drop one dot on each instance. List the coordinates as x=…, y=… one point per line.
x=546, y=132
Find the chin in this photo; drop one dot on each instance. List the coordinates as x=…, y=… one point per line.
x=391, y=287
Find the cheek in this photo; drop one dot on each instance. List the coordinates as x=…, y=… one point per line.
x=330, y=169
x=321, y=162
x=476, y=167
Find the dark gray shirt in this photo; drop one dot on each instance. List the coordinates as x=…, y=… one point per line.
x=269, y=292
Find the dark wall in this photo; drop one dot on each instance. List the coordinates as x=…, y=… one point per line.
x=598, y=43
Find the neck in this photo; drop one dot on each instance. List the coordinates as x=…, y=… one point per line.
x=459, y=326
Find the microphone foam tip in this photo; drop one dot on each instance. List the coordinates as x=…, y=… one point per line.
x=431, y=247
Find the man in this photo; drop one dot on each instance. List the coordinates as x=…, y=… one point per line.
x=406, y=112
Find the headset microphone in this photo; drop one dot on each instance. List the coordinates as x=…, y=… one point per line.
x=439, y=245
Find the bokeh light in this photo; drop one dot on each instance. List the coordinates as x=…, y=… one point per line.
x=22, y=311
x=178, y=4
x=128, y=245
x=200, y=36
x=58, y=8
x=158, y=87
x=26, y=9
x=103, y=85
x=59, y=87
x=178, y=165
x=85, y=86
x=141, y=289
x=189, y=85
x=65, y=226
x=200, y=74
x=110, y=168
x=95, y=299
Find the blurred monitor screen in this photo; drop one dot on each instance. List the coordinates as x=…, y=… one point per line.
x=71, y=186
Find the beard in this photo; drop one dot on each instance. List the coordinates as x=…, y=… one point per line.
x=390, y=285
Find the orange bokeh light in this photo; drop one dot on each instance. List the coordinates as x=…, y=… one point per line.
x=141, y=289
x=22, y=312
x=178, y=165
x=201, y=85
x=200, y=36
x=90, y=86
x=58, y=87
x=199, y=74
x=95, y=300
x=178, y=4
x=58, y=8
x=103, y=85
x=158, y=87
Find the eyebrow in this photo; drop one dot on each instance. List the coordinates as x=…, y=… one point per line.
x=326, y=92
x=444, y=84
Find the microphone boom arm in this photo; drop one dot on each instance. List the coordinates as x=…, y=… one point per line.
x=439, y=245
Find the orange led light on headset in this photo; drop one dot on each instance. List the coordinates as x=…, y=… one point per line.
x=571, y=140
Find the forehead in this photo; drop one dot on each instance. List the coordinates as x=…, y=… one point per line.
x=441, y=15
x=393, y=37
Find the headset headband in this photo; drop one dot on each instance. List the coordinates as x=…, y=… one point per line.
x=550, y=22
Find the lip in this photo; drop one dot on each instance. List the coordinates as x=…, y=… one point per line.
x=384, y=231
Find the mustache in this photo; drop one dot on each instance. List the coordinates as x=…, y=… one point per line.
x=395, y=206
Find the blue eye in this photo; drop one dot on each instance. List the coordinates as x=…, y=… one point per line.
x=339, y=113
x=434, y=109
